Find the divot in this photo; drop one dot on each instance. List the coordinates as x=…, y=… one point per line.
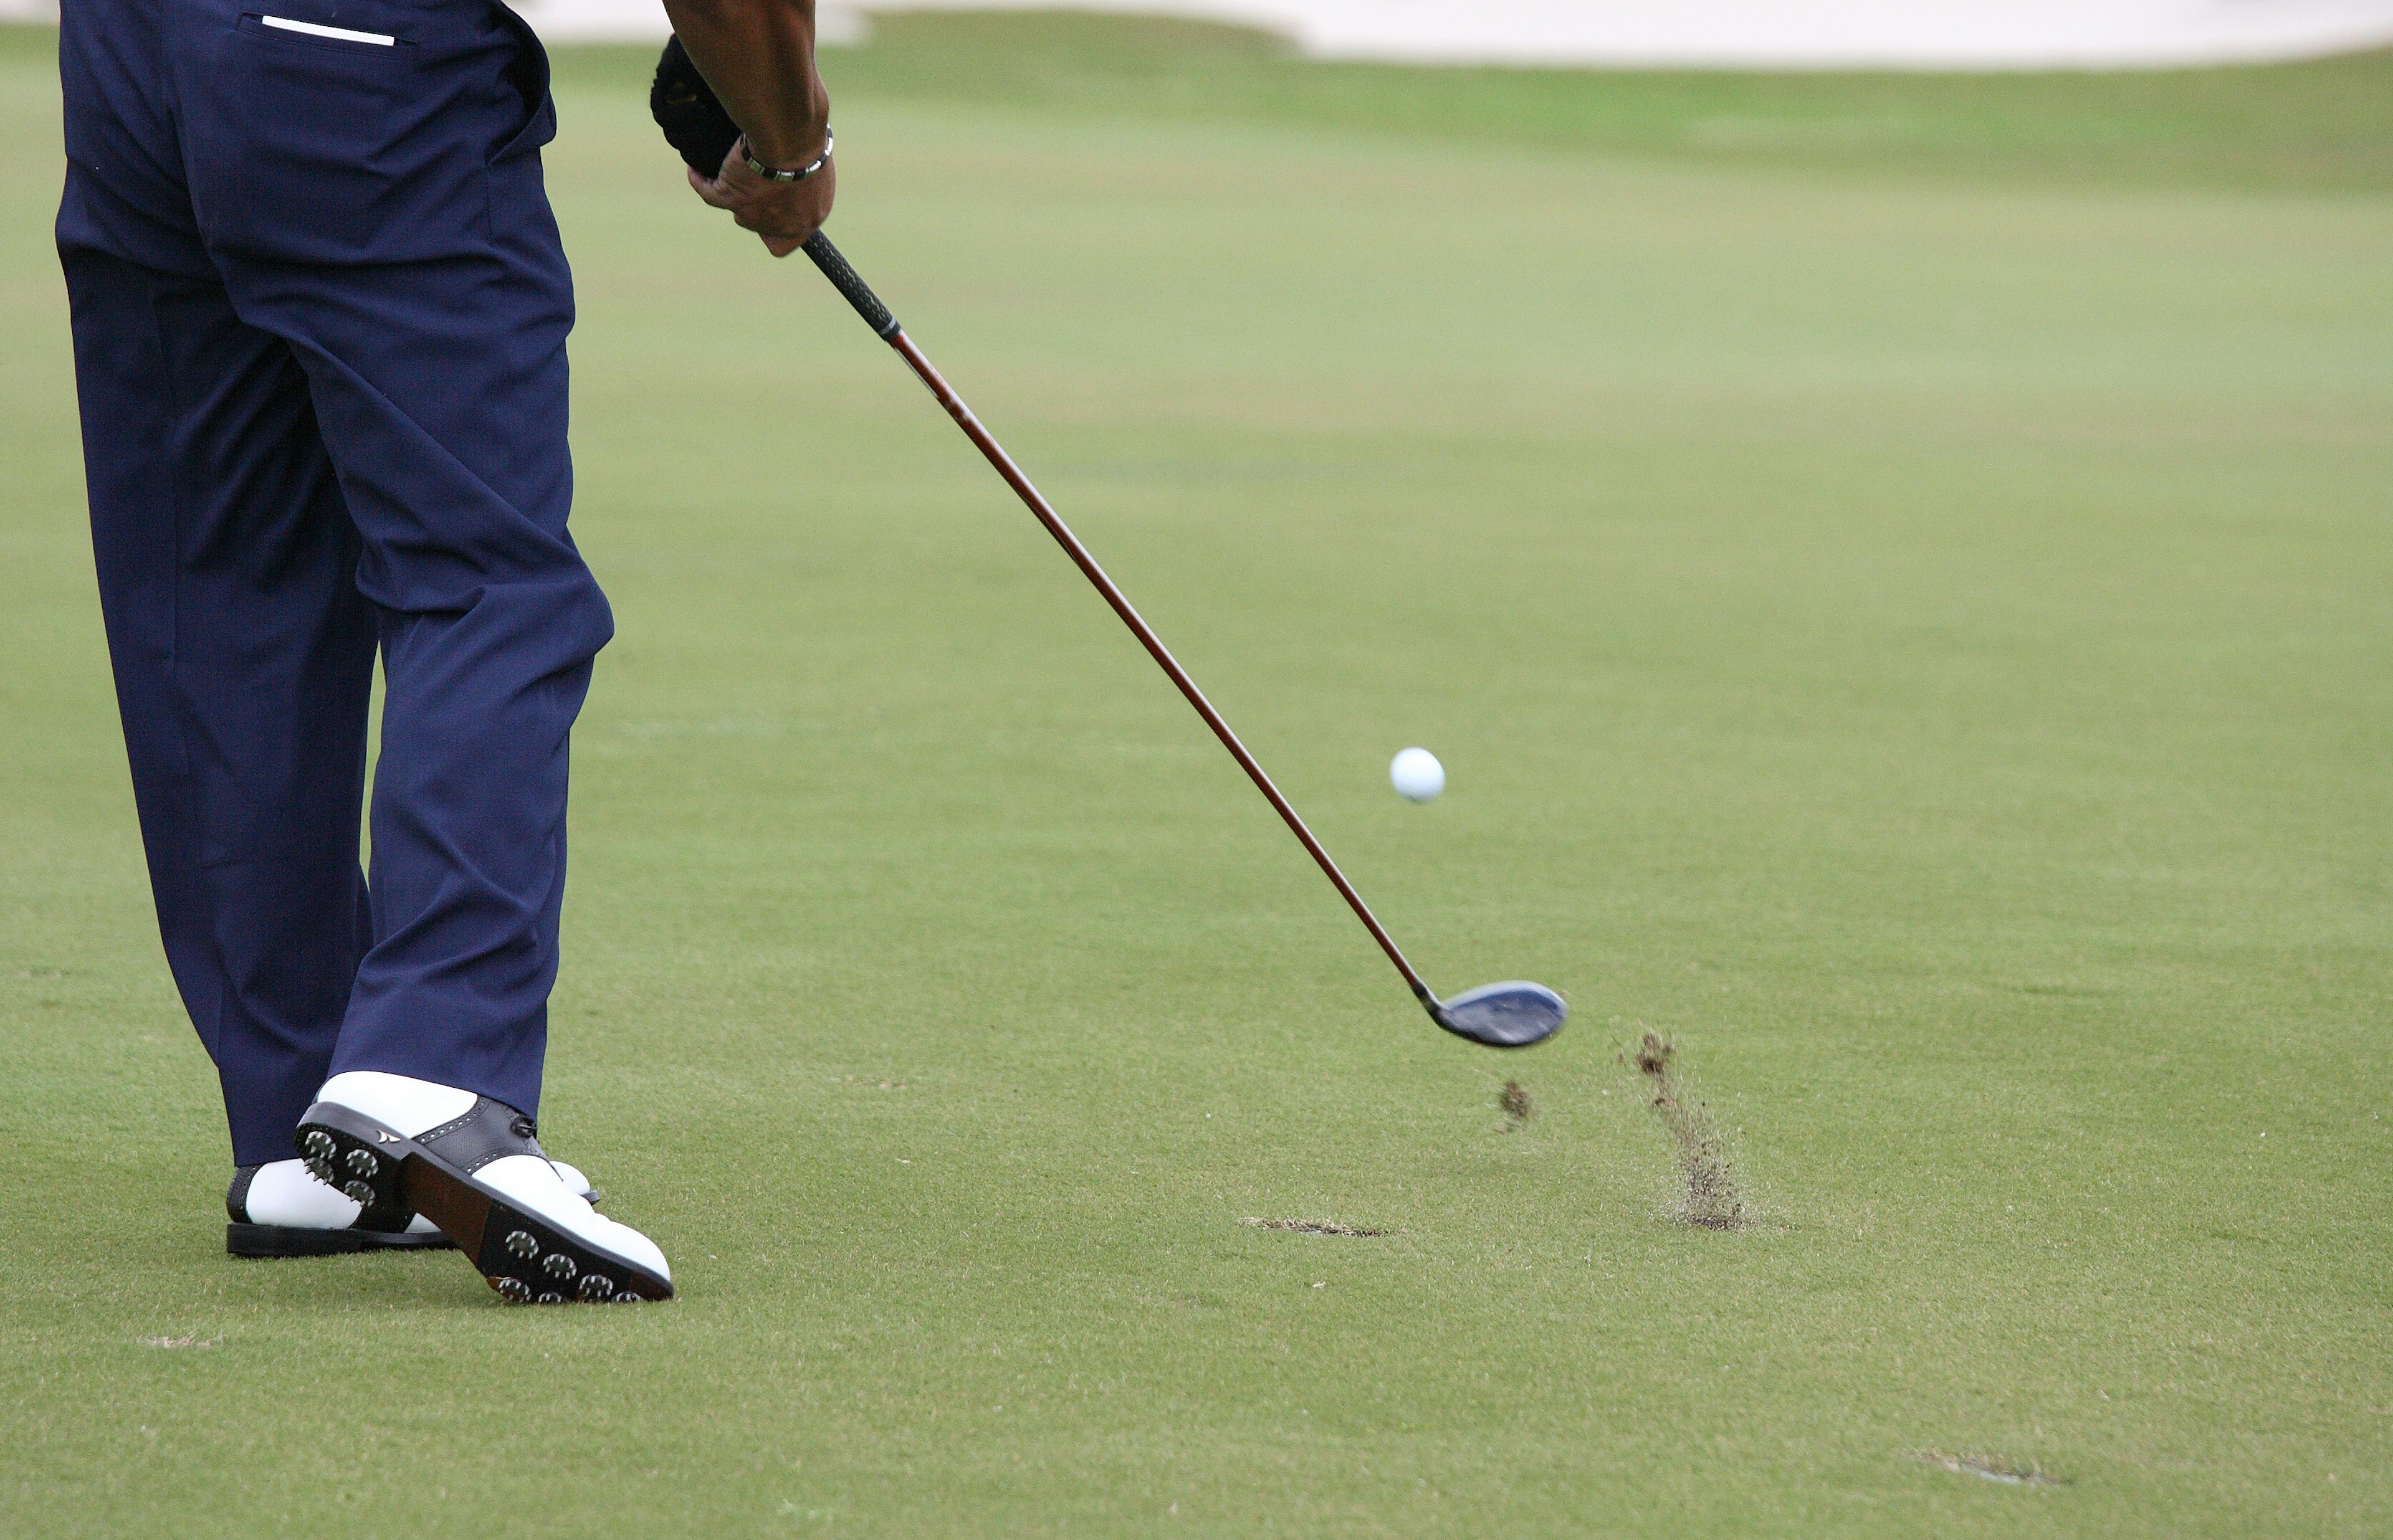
x=1312, y=1227
x=1711, y=1200
x=1513, y=1100
x=1991, y=1467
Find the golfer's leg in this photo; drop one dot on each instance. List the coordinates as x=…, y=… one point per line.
x=242, y=653
x=446, y=411
x=374, y=197
x=381, y=209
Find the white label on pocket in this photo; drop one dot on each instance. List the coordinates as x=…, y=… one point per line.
x=312, y=30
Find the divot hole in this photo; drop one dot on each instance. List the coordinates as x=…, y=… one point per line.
x=1312, y=1227
x=1991, y=1467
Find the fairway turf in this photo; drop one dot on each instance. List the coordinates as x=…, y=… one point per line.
x=1916, y=636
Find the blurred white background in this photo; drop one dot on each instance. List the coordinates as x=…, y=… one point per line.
x=1987, y=35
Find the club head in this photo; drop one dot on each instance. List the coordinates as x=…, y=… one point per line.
x=1513, y=1015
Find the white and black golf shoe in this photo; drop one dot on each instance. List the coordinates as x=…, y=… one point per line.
x=475, y=1169
x=281, y=1208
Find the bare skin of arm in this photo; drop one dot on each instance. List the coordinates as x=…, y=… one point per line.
x=759, y=56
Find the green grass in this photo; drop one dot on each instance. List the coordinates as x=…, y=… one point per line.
x=1916, y=637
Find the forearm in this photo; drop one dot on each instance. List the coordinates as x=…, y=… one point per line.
x=759, y=56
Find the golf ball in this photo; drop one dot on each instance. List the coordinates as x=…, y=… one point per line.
x=1416, y=774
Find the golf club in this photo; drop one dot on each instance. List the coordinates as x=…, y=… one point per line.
x=1513, y=1014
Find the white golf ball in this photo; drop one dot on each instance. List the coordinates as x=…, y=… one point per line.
x=1416, y=774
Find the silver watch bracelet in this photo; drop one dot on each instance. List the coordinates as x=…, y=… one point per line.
x=775, y=173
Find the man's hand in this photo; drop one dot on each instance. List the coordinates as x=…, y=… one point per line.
x=782, y=213
x=758, y=56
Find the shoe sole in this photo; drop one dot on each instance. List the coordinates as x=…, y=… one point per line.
x=524, y=1256
x=295, y=1240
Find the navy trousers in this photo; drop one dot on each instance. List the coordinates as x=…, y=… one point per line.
x=320, y=318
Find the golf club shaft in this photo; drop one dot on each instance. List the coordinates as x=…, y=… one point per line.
x=844, y=277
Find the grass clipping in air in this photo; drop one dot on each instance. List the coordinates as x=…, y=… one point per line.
x=1711, y=1200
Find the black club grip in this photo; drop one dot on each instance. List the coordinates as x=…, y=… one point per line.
x=843, y=277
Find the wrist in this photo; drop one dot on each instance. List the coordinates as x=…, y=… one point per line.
x=793, y=139
x=792, y=170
